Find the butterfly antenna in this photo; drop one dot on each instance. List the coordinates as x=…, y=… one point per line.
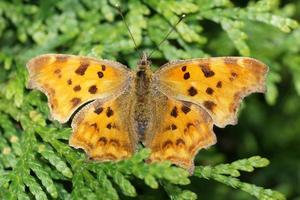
x=169, y=32
x=130, y=33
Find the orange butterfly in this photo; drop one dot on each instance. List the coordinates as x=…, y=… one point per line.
x=171, y=111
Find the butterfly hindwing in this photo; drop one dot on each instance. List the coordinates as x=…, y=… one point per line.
x=70, y=81
x=103, y=130
x=178, y=131
x=215, y=84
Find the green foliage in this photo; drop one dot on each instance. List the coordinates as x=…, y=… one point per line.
x=219, y=173
x=36, y=161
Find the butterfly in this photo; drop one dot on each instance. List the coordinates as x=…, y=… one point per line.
x=171, y=111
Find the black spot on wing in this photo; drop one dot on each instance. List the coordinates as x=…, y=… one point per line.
x=233, y=76
x=98, y=110
x=186, y=76
x=173, y=127
x=192, y=91
x=209, y=91
x=100, y=74
x=185, y=109
x=209, y=105
x=82, y=68
x=77, y=88
x=109, y=112
x=174, y=112
x=57, y=71
x=102, y=141
x=69, y=82
x=93, y=89
x=75, y=101
x=207, y=72
x=109, y=126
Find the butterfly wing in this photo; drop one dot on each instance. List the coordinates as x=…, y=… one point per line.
x=70, y=81
x=103, y=129
x=216, y=84
x=178, y=131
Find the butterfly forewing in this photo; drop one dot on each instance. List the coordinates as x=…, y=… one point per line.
x=215, y=84
x=70, y=81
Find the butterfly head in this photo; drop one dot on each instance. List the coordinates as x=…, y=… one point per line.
x=144, y=62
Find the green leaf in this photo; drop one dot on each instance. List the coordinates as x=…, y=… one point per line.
x=126, y=187
x=232, y=169
x=48, y=153
x=44, y=177
x=107, y=185
x=175, y=193
x=34, y=188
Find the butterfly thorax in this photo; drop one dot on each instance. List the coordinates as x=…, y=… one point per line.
x=142, y=94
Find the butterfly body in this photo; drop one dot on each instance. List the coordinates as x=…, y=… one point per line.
x=171, y=111
x=142, y=98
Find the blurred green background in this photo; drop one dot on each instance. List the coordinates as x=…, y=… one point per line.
x=269, y=125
